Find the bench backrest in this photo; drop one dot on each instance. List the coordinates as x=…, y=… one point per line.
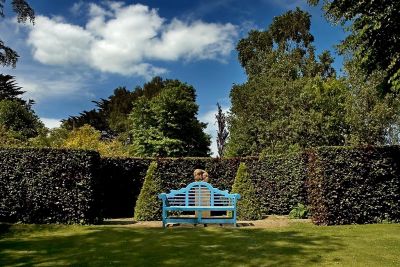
x=200, y=194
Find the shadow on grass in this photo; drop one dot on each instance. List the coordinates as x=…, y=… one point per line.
x=118, y=222
x=100, y=245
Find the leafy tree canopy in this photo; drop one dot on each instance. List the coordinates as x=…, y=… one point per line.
x=20, y=119
x=166, y=124
x=374, y=34
x=111, y=114
x=285, y=49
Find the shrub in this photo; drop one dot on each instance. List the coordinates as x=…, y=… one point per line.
x=49, y=186
x=354, y=185
x=299, y=212
x=248, y=207
x=147, y=205
x=123, y=178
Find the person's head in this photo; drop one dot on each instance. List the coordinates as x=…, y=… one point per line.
x=198, y=174
x=205, y=177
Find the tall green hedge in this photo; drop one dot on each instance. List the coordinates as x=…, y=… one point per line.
x=279, y=181
x=49, y=186
x=354, y=185
x=341, y=185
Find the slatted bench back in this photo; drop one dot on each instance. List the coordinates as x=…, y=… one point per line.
x=199, y=194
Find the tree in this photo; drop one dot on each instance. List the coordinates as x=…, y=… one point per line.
x=9, y=138
x=288, y=102
x=166, y=124
x=9, y=89
x=373, y=116
x=50, y=138
x=111, y=115
x=284, y=49
x=272, y=115
x=374, y=34
x=9, y=57
x=222, y=132
x=20, y=119
x=86, y=137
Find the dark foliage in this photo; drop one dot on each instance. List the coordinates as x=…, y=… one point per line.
x=279, y=181
x=354, y=185
x=123, y=179
x=49, y=186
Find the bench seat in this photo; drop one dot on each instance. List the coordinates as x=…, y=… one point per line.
x=201, y=208
x=199, y=197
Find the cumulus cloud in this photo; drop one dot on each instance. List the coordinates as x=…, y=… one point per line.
x=39, y=85
x=55, y=42
x=51, y=123
x=128, y=40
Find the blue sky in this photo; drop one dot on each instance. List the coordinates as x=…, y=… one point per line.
x=79, y=51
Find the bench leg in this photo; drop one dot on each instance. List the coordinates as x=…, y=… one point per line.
x=234, y=218
x=164, y=218
x=199, y=217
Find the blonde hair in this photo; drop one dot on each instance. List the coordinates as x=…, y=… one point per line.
x=205, y=177
x=198, y=174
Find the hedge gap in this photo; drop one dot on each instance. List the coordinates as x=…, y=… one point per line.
x=123, y=179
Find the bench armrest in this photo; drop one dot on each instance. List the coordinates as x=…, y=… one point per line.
x=163, y=197
x=236, y=196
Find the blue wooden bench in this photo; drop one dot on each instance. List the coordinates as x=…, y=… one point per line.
x=199, y=197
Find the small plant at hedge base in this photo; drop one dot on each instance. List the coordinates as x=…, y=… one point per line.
x=249, y=206
x=299, y=212
x=148, y=205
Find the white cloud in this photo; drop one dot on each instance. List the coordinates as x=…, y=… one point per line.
x=209, y=118
x=51, y=123
x=197, y=40
x=127, y=39
x=45, y=84
x=57, y=43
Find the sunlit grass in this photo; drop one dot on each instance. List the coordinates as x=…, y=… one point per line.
x=299, y=244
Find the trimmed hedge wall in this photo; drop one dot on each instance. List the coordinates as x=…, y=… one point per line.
x=123, y=179
x=279, y=181
x=340, y=185
x=49, y=186
x=354, y=185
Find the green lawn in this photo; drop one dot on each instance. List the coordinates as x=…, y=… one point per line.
x=299, y=244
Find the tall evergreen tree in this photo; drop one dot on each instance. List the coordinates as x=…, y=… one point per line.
x=222, y=132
